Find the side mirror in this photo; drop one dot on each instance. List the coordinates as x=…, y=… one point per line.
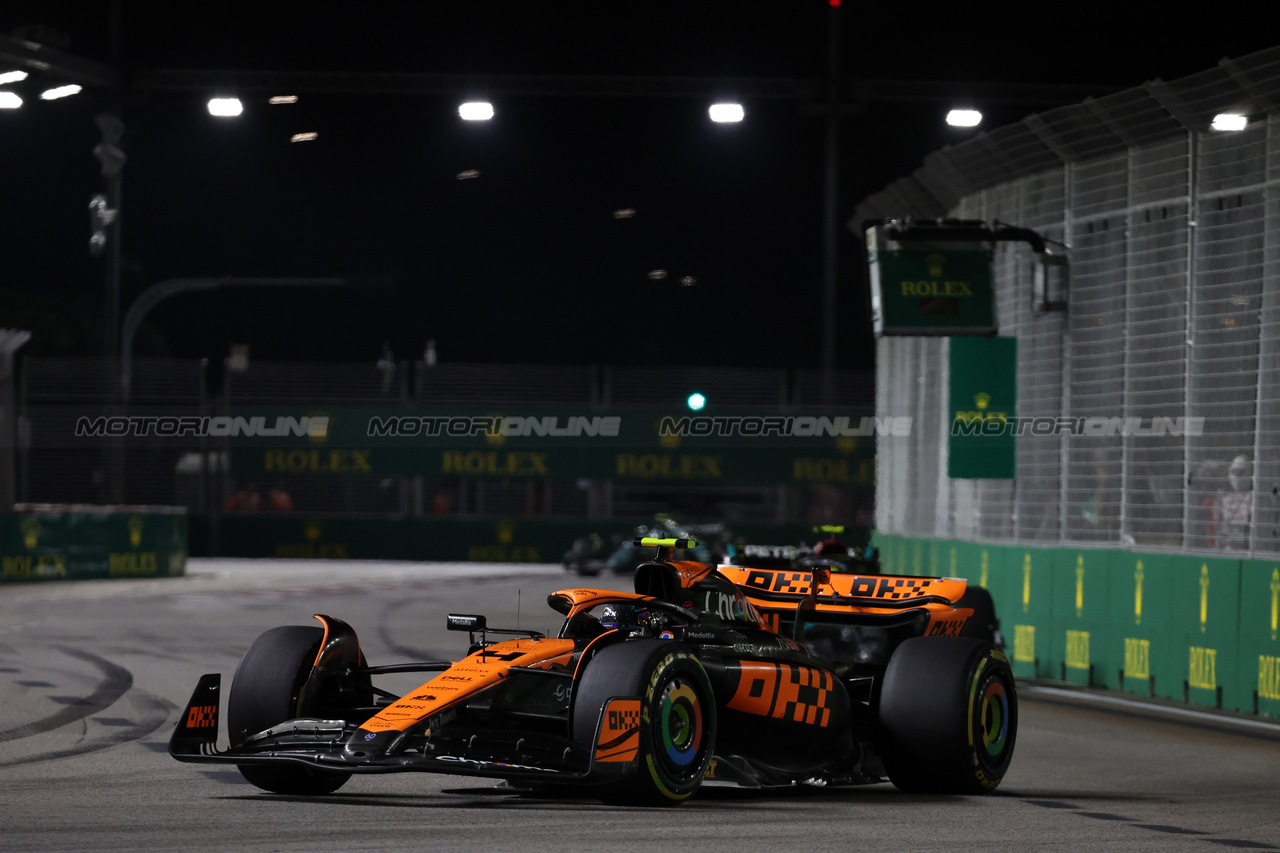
x=463, y=622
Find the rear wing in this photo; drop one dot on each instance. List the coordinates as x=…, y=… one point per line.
x=784, y=588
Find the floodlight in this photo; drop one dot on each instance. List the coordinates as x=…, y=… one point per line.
x=476, y=111
x=964, y=118
x=1229, y=121
x=60, y=92
x=225, y=107
x=723, y=113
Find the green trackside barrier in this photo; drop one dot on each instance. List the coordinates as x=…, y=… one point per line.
x=80, y=542
x=1079, y=637
x=1259, y=651
x=1206, y=632
x=488, y=539
x=1195, y=629
x=1143, y=614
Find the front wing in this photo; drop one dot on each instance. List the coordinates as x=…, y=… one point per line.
x=327, y=745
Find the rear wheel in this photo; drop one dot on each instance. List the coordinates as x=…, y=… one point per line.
x=677, y=724
x=265, y=691
x=948, y=716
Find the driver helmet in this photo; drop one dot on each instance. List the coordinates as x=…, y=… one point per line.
x=624, y=617
x=831, y=549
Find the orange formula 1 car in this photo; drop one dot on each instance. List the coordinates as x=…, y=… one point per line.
x=704, y=674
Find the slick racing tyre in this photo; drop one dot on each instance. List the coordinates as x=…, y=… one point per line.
x=265, y=691
x=676, y=723
x=948, y=716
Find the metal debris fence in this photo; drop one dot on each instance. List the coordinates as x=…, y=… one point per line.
x=1173, y=235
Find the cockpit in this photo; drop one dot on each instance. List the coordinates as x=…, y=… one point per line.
x=630, y=618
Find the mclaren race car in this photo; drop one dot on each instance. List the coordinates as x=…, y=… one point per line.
x=834, y=556
x=704, y=673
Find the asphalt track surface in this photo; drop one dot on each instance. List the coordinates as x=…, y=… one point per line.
x=93, y=675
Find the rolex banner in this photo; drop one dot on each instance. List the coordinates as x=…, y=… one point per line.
x=932, y=292
x=41, y=542
x=983, y=406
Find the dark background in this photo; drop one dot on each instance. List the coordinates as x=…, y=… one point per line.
x=525, y=263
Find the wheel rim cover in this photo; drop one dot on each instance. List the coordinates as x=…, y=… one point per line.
x=680, y=724
x=995, y=718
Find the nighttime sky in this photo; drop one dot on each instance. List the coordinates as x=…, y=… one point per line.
x=525, y=262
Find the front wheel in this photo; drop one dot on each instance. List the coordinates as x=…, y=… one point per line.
x=948, y=716
x=266, y=690
x=677, y=721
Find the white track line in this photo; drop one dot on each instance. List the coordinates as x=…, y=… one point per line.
x=1272, y=728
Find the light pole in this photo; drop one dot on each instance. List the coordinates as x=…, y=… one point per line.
x=105, y=238
x=107, y=226
x=105, y=220
x=11, y=340
x=830, y=202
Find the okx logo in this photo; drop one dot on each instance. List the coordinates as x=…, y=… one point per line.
x=202, y=717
